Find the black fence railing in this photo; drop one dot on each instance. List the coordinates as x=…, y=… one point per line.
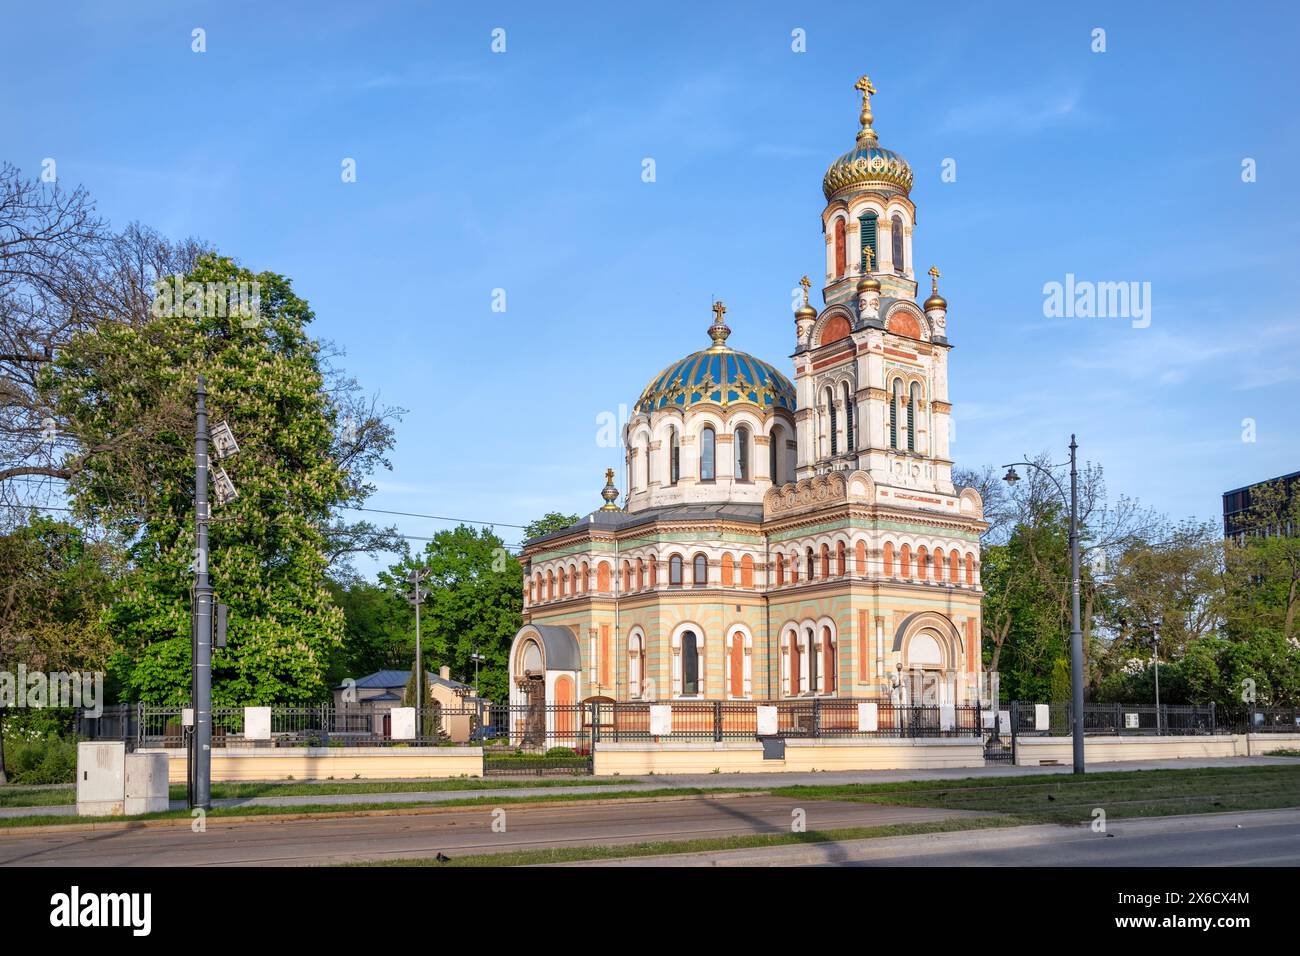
x=543, y=728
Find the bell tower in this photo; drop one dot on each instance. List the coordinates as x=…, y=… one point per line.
x=871, y=367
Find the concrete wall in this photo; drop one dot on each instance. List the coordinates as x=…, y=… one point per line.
x=341, y=763
x=633, y=759
x=1036, y=751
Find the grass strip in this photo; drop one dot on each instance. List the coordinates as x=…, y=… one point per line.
x=579, y=854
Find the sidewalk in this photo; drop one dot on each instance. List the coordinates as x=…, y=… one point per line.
x=729, y=781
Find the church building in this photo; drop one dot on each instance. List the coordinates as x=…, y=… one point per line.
x=781, y=539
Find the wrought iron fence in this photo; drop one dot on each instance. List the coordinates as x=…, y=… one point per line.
x=559, y=729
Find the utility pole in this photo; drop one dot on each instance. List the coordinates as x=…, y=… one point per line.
x=416, y=577
x=202, y=664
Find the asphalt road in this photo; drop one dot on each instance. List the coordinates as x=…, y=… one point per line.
x=349, y=839
x=1254, y=838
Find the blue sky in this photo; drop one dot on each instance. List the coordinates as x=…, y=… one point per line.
x=522, y=171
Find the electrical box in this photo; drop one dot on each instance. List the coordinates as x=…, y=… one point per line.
x=146, y=783
x=101, y=778
x=219, y=628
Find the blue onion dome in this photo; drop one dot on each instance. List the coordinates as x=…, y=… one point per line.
x=719, y=375
x=868, y=165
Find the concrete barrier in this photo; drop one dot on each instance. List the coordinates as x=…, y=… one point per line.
x=746, y=756
x=340, y=763
x=1050, y=751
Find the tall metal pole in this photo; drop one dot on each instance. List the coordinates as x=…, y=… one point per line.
x=420, y=688
x=202, y=665
x=1076, y=631
x=1156, y=637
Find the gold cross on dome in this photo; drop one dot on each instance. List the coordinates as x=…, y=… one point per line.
x=719, y=310
x=864, y=84
x=934, y=274
x=807, y=284
x=866, y=257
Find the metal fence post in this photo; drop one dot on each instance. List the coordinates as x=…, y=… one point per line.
x=717, y=721
x=817, y=718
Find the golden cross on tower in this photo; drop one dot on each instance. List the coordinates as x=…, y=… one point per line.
x=807, y=284
x=867, y=255
x=719, y=310
x=864, y=84
x=934, y=279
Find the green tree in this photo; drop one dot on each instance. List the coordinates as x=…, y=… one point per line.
x=269, y=547
x=474, y=604
x=549, y=522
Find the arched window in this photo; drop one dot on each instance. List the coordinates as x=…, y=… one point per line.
x=954, y=572
x=867, y=233
x=530, y=591
x=746, y=572
x=922, y=564
x=550, y=585
x=860, y=558
x=812, y=660
x=690, y=664
x=640, y=574
x=809, y=558
x=707, y=443
x=583, y=578
x=840, y=562
x=896, y=237
x=913, y=402
x=737, y=665
x=840, y=251
x=970, y=568
x=675, y=570
x=654, y=570
x=828, y=649
x=742, y=454
x=602, y=577
x=560, y=579
x=728, y=571
x=848, y=420
x=700, y=571
x=775, y=451
x=893, y=413
x=826, y=561
x=645, y=469
x=674, y=457
x=938, y=564
x=627, y=576
x=796, y=685
x=635, y=665
x=830, y=412
x=780, y=569
x=794, y=568
x=889, y=559
x=905, y=562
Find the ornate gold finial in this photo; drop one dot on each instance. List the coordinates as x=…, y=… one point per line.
x=718, y=331
x=936, y=301
x=807, y=284
x=866, y=134
x=867, y=256
x=609, y=492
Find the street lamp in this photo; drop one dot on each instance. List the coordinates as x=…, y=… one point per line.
x=477, y=658
x=1155, y=641
x=1076, y=630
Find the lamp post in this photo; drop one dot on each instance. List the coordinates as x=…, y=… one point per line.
x=477, y=658
x=1076, y=630
x=1155, y=641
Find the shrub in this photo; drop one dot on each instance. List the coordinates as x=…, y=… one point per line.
x=42, y=760
x=561, y=752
